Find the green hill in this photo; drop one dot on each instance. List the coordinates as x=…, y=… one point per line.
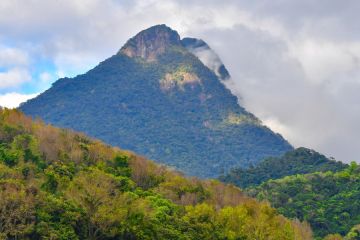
x=298, y=161
x=329, y=201
x=155, y=97
x=59, y=184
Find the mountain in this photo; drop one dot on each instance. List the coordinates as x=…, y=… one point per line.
x=59, y=184
x=298, y=161
x=329, y=201
x=157, y=98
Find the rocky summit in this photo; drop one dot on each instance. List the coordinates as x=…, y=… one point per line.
x=151, y=43
x=159, y=98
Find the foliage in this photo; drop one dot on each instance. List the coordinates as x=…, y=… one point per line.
x=354, y=233
x=174, y=110
x=329, y=201
x=74, y=187
x=298, y=161
x=16, y=209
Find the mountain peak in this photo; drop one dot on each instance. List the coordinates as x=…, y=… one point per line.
x=175, y=110
x=151, y=42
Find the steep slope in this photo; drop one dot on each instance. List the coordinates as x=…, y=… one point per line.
x=329, y=201
x=58, y=184
x=157, y=98
x=298, y=161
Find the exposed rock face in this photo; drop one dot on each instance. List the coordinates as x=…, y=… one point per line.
x=152, y=42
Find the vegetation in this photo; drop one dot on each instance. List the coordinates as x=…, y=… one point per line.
x=58, y=184
x=172, y=109
x=298, y=161
x=329, y=201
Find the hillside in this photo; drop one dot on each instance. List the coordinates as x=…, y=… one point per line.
x=59, y=184
x=298, y=161
x=329, y=201
x=156, y=97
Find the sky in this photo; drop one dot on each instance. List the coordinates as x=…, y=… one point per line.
x=295, y=64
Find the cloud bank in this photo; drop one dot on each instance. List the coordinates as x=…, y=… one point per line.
x=13, y=100
x=295, y=64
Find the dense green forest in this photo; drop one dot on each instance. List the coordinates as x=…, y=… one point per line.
x=329, y=201
x=298, y=161
x=59, y=184
x=158, y=99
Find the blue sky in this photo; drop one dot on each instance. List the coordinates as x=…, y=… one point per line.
x=295, y=64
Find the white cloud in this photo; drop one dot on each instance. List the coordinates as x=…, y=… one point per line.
x=13, y=100
x=323, y=59
x=10, y=57
x=278, y=127
x=45, y=77
x=14, y=78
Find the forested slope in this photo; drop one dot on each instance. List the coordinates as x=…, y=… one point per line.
x=298, y=161
x=58, y=184
x=329, y=201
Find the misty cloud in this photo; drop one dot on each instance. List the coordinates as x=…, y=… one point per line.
x=13, y=78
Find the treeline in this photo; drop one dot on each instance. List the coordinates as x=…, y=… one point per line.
x=329, y=201
x=58, y=184
x=298, y=161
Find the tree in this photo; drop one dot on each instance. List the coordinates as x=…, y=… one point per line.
x=17, y=205
x=354, y=233
x=92, y=190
